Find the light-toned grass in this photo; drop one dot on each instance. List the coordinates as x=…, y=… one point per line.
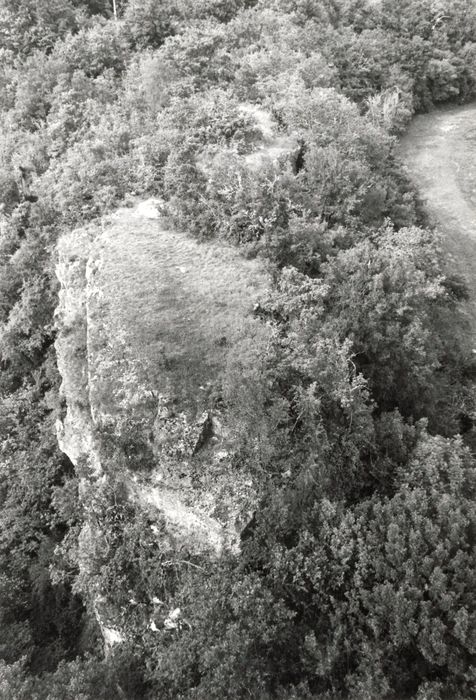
x=164, y=310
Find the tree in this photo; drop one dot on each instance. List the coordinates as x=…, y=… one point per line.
x=388, y=298
x=29, y=25
x=149, y=23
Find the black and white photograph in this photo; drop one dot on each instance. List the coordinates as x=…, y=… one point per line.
x=237, y=349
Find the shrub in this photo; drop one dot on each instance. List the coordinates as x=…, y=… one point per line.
x=149, y=23
x=369, y=600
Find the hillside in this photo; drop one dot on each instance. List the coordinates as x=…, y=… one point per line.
x=237, y=369
x=146, y=320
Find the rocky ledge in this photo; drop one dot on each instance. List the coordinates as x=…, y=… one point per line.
x=147, y=320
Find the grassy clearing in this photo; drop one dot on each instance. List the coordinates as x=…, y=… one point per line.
x=163, y=311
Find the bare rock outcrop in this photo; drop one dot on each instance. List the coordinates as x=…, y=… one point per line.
x=145, y=321
x=75, y=432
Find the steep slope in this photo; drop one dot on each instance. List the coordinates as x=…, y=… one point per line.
x=440, y=153
x=146, y=321
x=151, y=328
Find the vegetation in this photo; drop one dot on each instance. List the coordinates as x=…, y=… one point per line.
x=356, y=577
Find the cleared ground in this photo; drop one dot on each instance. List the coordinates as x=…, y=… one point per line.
x=440, y=153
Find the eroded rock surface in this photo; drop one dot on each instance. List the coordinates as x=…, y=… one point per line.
x=145, y=322
x=75, y=432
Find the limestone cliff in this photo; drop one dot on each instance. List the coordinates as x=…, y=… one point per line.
x=152, y=329
x=146, y=321
x=75, y=431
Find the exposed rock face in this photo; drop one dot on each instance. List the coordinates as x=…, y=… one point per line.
x=75, y=432
x=145, y=321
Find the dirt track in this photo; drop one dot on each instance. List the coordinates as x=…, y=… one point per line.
x=440, y=153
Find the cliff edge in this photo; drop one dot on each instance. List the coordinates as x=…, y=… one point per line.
x=146, y=321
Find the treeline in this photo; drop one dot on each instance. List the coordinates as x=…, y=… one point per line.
x=357, y=574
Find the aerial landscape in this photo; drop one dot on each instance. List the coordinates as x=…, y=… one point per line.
x=237, y=349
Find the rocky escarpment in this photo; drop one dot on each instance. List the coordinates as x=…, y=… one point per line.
x=146, y=321
x=151, y=327
x=74, y=432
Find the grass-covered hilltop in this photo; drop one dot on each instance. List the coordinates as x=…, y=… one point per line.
x=237, y=453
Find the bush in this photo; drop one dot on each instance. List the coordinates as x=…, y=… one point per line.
x=371, y=600
x=94, y=50
x=398, y=346
x=149, y=23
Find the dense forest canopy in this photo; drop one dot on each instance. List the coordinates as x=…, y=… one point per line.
x=357, y=576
